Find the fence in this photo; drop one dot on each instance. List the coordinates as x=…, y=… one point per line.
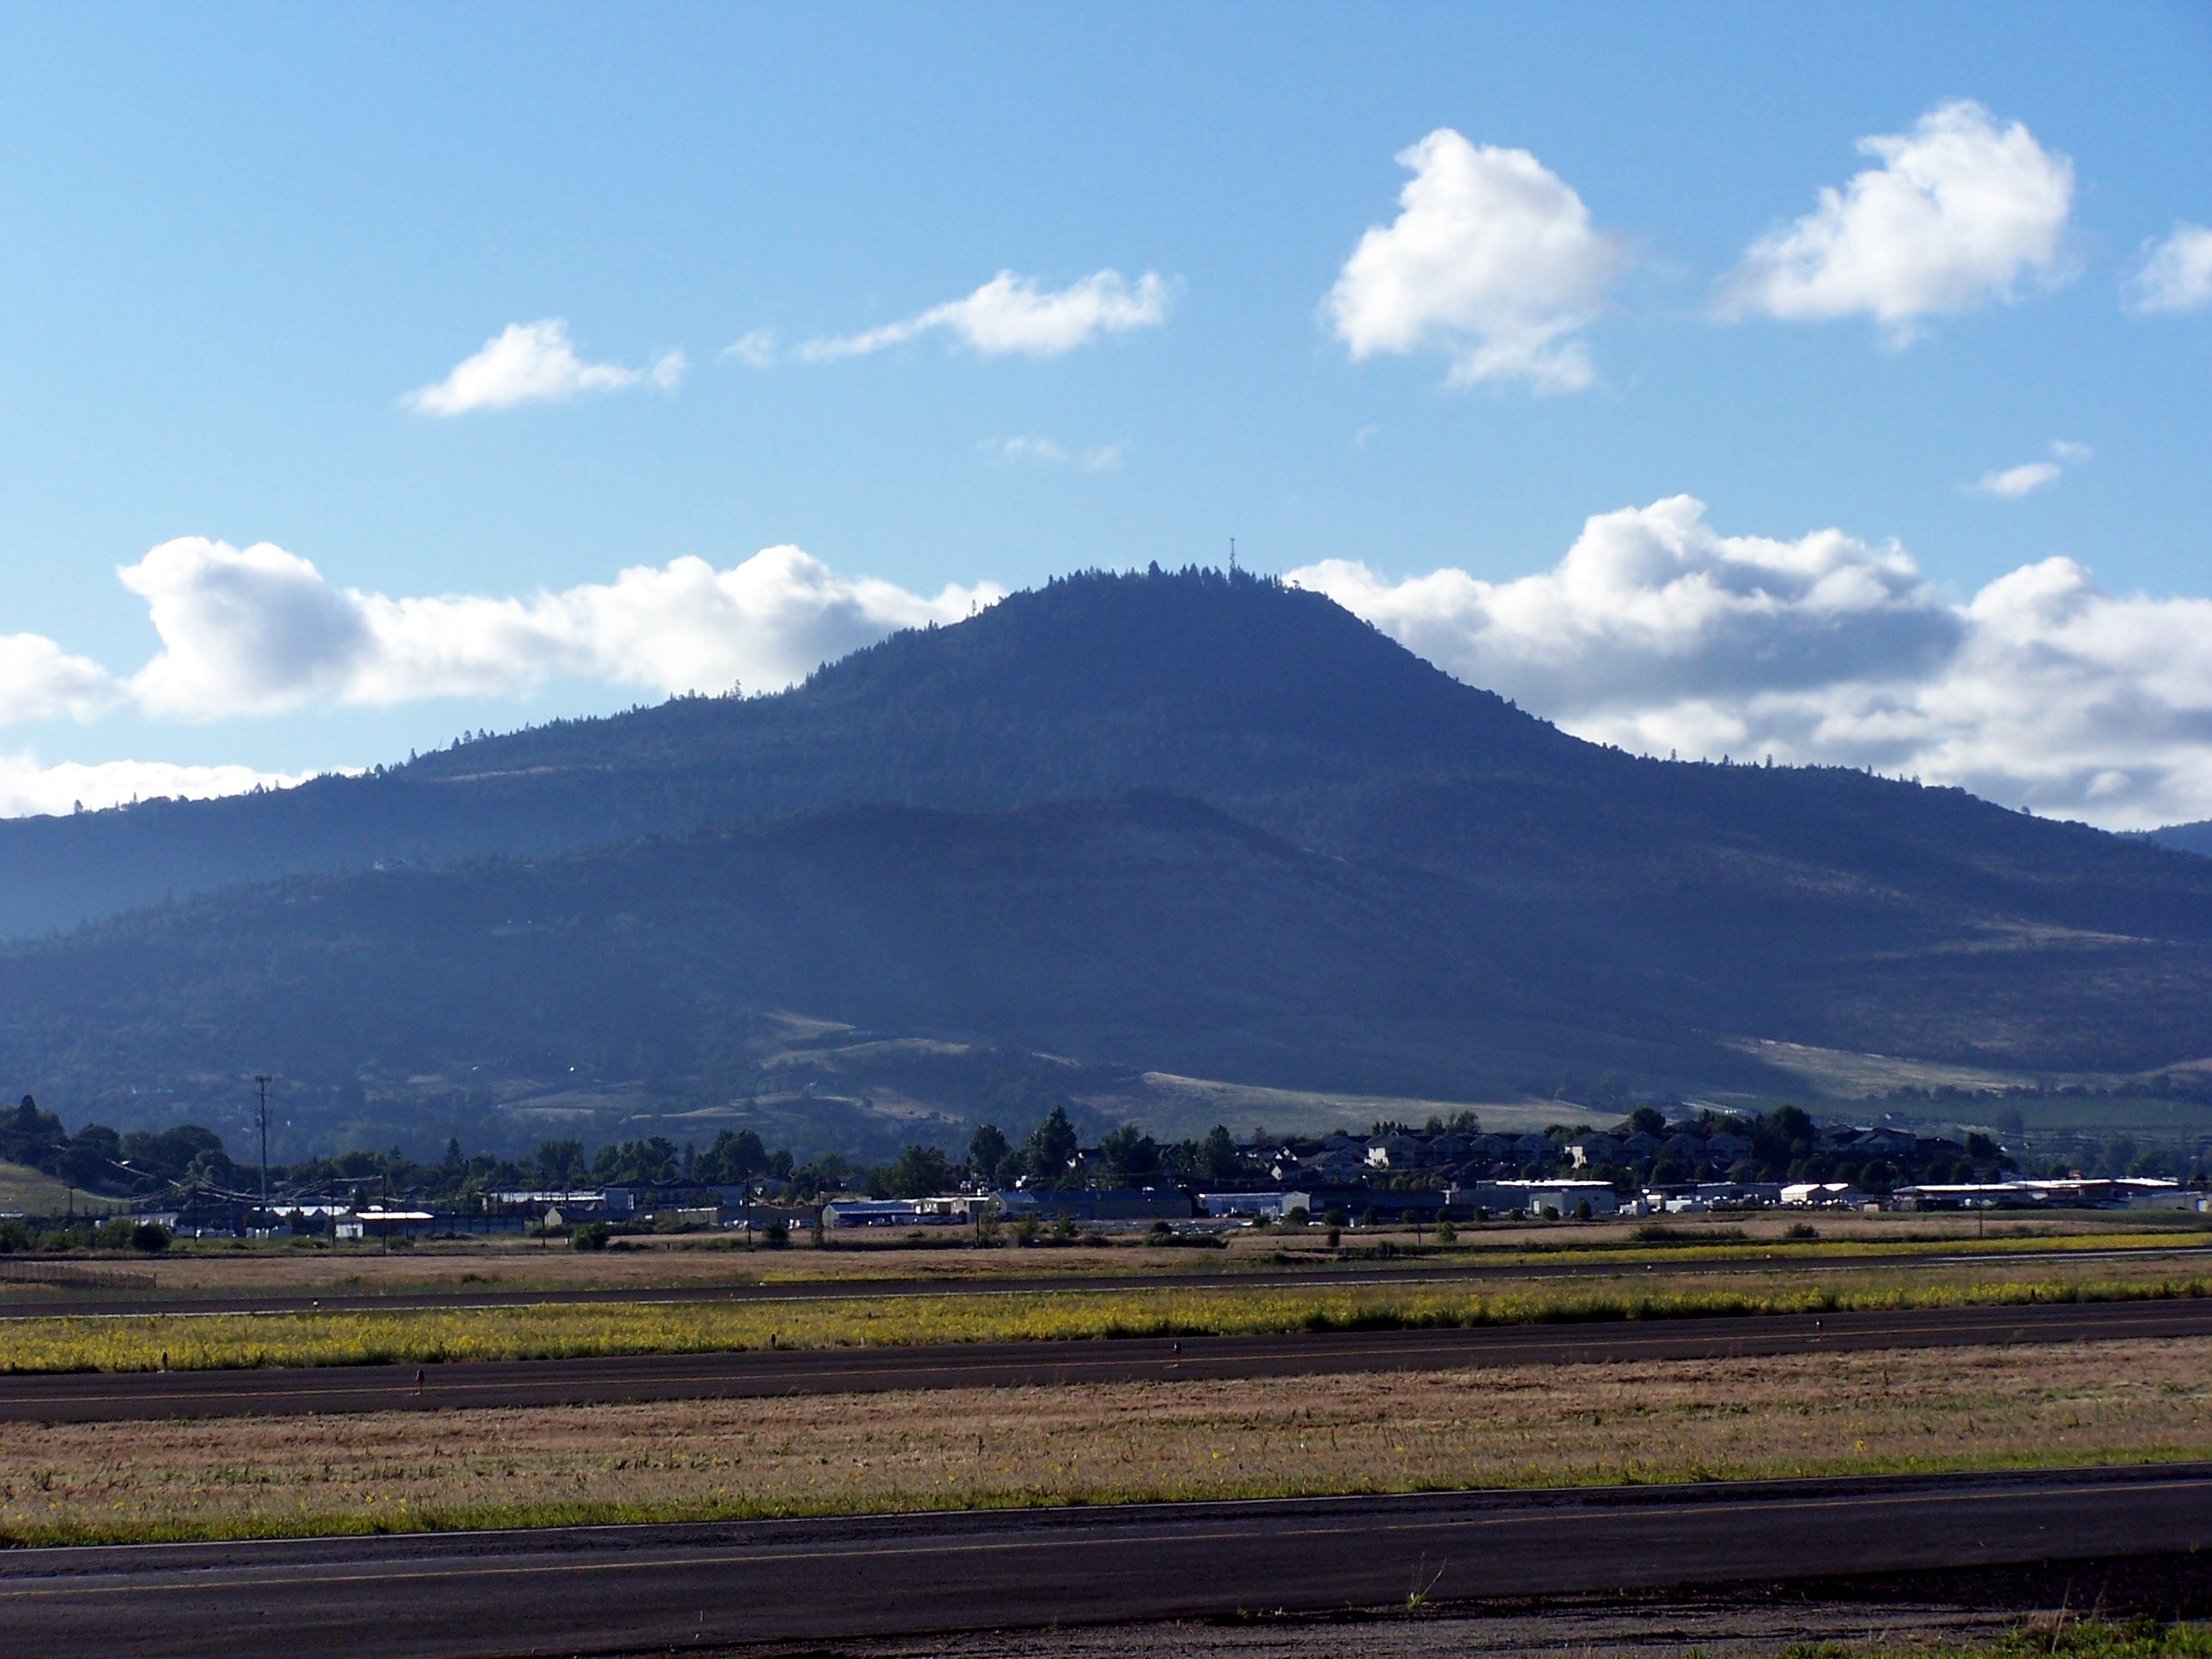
x=72, y=1275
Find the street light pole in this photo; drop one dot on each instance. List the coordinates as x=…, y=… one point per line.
x=261, y=1084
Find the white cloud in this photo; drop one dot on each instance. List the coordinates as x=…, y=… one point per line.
x=1098, y=457
x=39, y=681
x=1008, y=314
x=1492, y=261
x=1657, y=633
x=2176, y=273
x=1957, y=212
x=257, y=629
x=755, y=350
x=534, y=362
x=243, y=631
x=27, y=789
x=1023, y=449
x=2011, y=482
x=2014, y=482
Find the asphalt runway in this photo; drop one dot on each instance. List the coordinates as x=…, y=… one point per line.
x=23, y=1300
x=102, y=1396
x=624, y=1589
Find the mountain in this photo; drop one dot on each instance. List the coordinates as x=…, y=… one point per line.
x=1175, y=821
x=1148, y=932
x=1271, y=701
x=2184, y=837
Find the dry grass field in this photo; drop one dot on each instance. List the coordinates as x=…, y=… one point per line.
x=566, y=1330
x=27, y=1191
x=1806, y=1414
x=705, y=1261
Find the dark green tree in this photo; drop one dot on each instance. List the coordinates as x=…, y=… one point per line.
x=561, y=1164
x=1130, y=1153
x=916, y=1172
x=734, y=1157
x=1052, y=1146
x=1217, y=1155
x=92, y=1153
x=987, y=1153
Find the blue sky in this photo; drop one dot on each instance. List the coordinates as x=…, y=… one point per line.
x=232, y=242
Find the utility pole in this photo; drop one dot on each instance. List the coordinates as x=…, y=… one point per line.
x=261, y=1085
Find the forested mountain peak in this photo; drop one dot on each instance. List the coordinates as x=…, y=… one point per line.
x=1260, y=698
x=1193, y=651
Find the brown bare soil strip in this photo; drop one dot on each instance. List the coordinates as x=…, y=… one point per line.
x=1799, y=1415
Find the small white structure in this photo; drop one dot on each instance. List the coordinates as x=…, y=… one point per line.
x=1822, y=1195
x=1556, y=1199
x=1273, y=1205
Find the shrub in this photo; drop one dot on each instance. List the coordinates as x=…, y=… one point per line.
x=1446, y=1233
x=149, y=1238
x=777, y=1234
x=591, y=1236
x=115, y=1234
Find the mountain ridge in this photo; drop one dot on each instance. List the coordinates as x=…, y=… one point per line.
x=1563, y=904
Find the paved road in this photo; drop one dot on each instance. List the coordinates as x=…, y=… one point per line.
x=23, y=1300
x=144, y=1395
x=631, y=1589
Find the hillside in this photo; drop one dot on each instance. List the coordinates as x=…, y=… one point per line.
x=1148, y=933
x=1267, y=701
x=1177, y=822
x=1271, y=704
x=2184, y=837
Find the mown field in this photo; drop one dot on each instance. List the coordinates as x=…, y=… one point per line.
x=1532, y=1425
x=554, y=1330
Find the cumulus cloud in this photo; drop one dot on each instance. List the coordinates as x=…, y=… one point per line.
x=243, y=630
x=2011, y=482
x=2176, y=273
x=534, y=362
x=1492, y=261
x=39, y=681
x=1657, y=633
x=1007, y=315
x=27, y=788
x=257, y=629
x=1959, y=211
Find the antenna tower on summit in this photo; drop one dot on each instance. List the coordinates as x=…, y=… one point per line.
x=1232, y=555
